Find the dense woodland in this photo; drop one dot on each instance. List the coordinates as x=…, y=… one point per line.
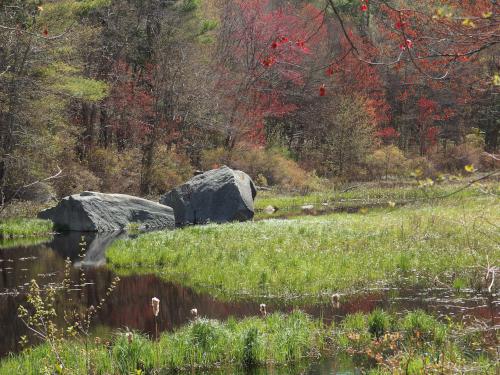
x=133, y=96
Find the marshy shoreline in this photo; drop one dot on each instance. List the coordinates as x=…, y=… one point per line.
x=293, y=263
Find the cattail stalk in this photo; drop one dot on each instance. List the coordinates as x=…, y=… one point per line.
x=263, y=310
x=194, y=313
x=155, y=304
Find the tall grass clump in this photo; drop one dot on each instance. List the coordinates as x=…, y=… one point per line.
x=132, y=352
x=254, y=341
x=423, y=327
x=378, y=323
x=274, y=340
x=202, y=344
x=313, y=257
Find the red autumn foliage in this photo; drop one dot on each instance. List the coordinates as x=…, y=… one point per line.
x=428, y=114
x=133, y=116
x=428, y=110
x=280, y=41
x=400, y=24
x=431, y=135
x=322, y=90
x=354, y=75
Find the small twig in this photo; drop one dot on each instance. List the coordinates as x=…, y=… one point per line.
x=5, y=71
x=350, y=188
x=492, y=282
x=493, y=272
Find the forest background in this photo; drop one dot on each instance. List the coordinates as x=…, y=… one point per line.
x=133, y=96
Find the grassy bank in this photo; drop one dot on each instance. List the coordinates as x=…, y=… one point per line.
x=22, y=227
x=315, y=256
x=378, y=341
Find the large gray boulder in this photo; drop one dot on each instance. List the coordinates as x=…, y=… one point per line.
x=220, y=195
x=98, y=212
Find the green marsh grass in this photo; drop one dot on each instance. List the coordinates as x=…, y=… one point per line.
x=271, y=341
x=202, y=344
x=22, y=227
x=312, y=257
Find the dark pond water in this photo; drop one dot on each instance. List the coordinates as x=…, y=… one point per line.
x=129, y=304
x=333, y=366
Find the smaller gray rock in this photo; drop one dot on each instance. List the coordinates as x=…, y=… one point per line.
x=38, y=193
x=98, y=212
x=220, y=195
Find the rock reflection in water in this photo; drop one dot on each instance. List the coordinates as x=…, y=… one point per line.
x=70, y=244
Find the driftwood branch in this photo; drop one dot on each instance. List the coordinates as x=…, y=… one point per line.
x=45, y=179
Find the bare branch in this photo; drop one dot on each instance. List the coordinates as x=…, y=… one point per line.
x=45, y=179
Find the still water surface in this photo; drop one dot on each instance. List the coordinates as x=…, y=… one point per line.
x=129, y=305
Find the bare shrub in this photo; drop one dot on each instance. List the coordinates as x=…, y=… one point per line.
x=266, y=167
x=386, y=161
